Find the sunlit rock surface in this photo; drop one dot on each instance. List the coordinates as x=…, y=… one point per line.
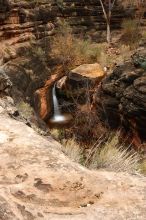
x=91, y=71
x=37, y=181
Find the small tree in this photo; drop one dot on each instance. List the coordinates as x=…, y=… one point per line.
x=107, y=7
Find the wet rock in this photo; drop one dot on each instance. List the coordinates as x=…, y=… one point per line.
x=61, y=84
x=43, y=96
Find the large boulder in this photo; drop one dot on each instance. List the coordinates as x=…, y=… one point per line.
x=87, y=71
x=39, y=182
x=81, y=81
x=85, y=76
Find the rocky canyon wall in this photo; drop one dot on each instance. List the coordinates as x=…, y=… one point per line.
x=22, y=22
x=23, y=19
x=121, y=98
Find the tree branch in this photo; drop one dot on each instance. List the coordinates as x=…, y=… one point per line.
x=114, y=1
x=104, y=11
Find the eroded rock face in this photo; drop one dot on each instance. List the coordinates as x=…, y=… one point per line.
x=24, y=20
x=43, y=96
x=121, y=98
x=39, y=182
x=19, y=21
x=23, y=17
x=25, y=28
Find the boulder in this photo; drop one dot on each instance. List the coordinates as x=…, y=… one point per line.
x=90, y=71
x=86, y=75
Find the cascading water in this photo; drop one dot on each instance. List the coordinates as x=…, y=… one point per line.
x=55, y=102
x=57, y=114
x=58, y=117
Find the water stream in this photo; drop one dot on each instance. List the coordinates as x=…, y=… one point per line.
x=57, y=113
x=58, y=117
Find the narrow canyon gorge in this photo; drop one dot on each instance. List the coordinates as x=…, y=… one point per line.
x=56, y=68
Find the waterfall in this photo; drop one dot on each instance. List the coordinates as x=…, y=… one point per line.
x=55, y=103
x=58, y=117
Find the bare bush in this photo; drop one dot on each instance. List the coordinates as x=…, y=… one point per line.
x=72, y=50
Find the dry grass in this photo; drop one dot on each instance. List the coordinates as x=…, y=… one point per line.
x=25, y=109
x=144, y=35
x=73, y=150
x=73, y=51
x=111, y=155
x=57, y=134
x=115, y=157
x=142, y=166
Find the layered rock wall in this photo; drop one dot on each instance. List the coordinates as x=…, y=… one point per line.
x=22, y=19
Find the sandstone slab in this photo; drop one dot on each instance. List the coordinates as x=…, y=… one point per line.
x=37, y=181
x=91, y=71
